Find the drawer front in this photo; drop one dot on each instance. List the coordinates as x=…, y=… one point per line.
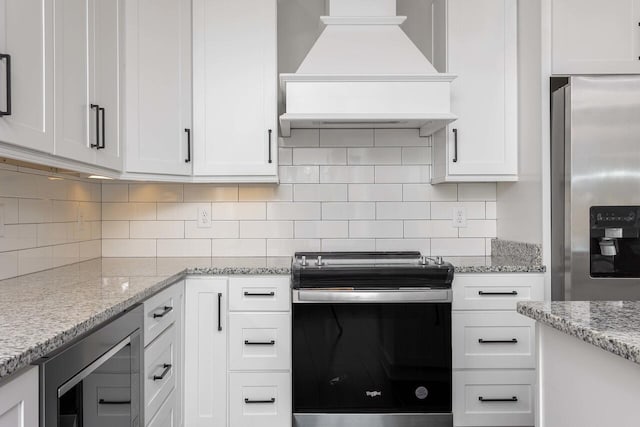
x=160, y=364
x=259, y=293
x=260, y=399
x=500, y=339
x=160, y=311
x=259, y=341
x=167, y=415
x=496, y=291
x=493, y=398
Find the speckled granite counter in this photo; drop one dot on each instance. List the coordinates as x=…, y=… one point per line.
x=41, y=312
x=506, y=257
x=613, y=326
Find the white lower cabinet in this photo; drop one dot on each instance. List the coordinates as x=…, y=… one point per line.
x=19, y=405
x=259, y=341
x=167, y=415
x=160, y=364
x=493, y=349
x=260, y=399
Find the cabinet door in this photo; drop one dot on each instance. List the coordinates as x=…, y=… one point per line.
x=596, y=37
x=76, y=121
x=235, y=82
x=158, y=74
x=19, y=400
x=105, y=79
x=27, y=36
x=206, y=352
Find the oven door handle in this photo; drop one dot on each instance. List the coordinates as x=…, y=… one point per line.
x=416, y=295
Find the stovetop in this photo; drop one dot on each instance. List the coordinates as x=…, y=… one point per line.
x=369, y=270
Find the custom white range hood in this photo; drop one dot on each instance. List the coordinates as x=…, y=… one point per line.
x=364, y=72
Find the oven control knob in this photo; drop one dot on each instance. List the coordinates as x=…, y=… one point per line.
x=439, y=260
x=303, y=262
x=319, y=262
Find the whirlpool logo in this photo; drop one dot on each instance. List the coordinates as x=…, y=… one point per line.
x=373, y=393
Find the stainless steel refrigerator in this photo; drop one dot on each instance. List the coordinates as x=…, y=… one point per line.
x=595, y=168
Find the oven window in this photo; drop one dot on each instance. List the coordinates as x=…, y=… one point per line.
x=379, y=358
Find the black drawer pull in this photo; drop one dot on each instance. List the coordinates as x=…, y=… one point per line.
x=188, y=159
x=219, y=311
x=455, y=145
x=114, y=402
x=7, y=60
x=247, y=342
x=508, y=399
x=97, y=108
x=165, y=310
x=101, y=146
x=272, y=400
x=511, y=341
x=167, y=367
x=270, y=132
x=259, y=294
x=498, y=293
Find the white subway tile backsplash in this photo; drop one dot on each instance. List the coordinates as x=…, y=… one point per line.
x=399, y=138
x=374, y=156
x=266, y=193
x=416, y=155
x=10, y=206
x=375, y=229
x=293, y=211
x=430, y=193
x=492, y=210
x=347, y=174
x=210, y=193
x=403, y=174
x=184, y=248
x=479, y=228
x=299, y=174
x=56, y=233
x=302, y=138
x=89, y=211
x=238, y=211
x=128, y=211
x=444, y=210
x=285, y=156
x=319, y=156
x=218, y=230
x=128, y=248
x=115, y=229
x=321, y=229
x=477, y=192
x=65, y=255
x=346, y=137
x=238, y=247
x=156, y=230
x=375, y=192
x=338, y=245
x=403, y=210
x=18, y=236
x=156, y=192
x=429, y=228
x=64, y=211
x=348, y=210
x=266, y=229
x=287, y=247
x=90, y=249
x=457, y=247
x=36, y=259
x=320, y=192
x=422, y=245
x=34, y=211
x=180, y=211
x=115, y=192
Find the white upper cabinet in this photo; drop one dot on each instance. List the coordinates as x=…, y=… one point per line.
x=26, y=35
x=87, y=81
x=478, y=43
x=596, y=37
x=158, y=80
x=235, y=90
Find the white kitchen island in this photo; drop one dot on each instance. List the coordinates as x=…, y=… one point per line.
x=588, y=362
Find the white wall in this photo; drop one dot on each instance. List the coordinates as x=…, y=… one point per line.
x=520, y=203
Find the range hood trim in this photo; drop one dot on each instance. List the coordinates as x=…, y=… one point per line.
x=363, y=20
x=301, y=77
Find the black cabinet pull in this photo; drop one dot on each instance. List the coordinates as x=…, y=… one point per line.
x=167, y=367
x=165, y=310
x=259, y=294
x=7, y=60
x=101, y=146
x=219, y=311
x=511, y=341
x=247, y=342
x=272, y=400
x=455, y=145
x=506, y=399
x=97, y=108
x=498, y=293
x=188, y=159
x=114, y=402
x=270, y=132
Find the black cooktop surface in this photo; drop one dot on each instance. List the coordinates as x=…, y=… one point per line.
x=369, y=270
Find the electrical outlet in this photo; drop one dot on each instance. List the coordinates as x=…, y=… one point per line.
x=204, y=217
x=1, y=220
x=459, y=217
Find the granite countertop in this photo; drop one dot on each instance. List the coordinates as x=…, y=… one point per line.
x=613, y=326
x=40, y=312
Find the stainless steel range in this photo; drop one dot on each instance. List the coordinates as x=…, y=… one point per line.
x=371, y=340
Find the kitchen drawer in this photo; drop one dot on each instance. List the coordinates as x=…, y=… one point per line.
x=106, y=399
x=167, y=415
x=260, y=399
x=512, y=390
x=498, y=339
x=259, y=341
x=259, y=293
x=160, y=364
x=160, y=311
x=496, y=291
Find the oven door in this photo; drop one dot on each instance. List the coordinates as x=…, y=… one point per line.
x=371, y=352
x=95, y=380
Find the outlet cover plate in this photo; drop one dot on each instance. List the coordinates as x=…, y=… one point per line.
x=204, y=217
x=459, y=217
